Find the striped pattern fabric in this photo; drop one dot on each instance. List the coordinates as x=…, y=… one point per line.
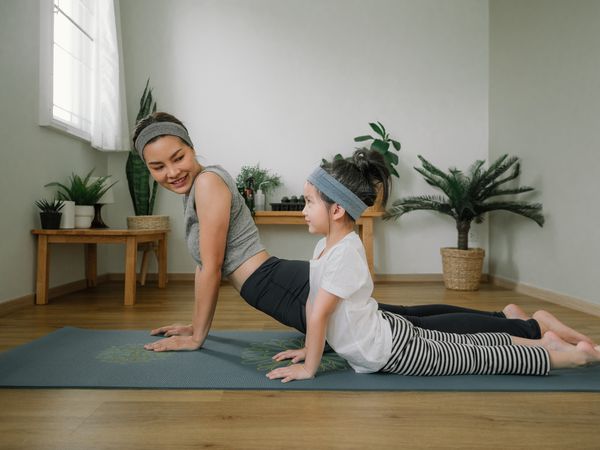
x=420, y=352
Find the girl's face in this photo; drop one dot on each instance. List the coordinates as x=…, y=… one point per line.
x=316, y=212
x=172, y=163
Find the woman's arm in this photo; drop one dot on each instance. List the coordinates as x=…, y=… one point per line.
x=317, y=319
x=213, y=202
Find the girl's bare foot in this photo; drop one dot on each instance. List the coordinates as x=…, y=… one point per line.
x=551, y=341
x=590, y=353
x=548, y=322
x=515, y=312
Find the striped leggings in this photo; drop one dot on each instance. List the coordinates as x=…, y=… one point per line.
x=416, y=351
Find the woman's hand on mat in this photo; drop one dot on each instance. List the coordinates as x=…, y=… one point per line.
x=173, y=344
x=296, y=356
x=176, y=329
x=289, y=373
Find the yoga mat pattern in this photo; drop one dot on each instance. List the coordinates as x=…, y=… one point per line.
x=82, y=358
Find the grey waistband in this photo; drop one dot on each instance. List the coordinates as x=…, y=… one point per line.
x=337, y=192
x=160, y=129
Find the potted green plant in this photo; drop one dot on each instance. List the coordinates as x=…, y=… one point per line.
x=142, y=187
x=382, y=144
x=467, y=197
x=85, y=193
x=264, y=181
x=50, y=213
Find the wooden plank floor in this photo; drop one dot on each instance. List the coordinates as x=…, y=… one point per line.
x=132, y=419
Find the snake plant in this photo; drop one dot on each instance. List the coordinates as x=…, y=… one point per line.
x=142, y=187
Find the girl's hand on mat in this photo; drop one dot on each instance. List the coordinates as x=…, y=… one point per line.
x=176, y=329
x=295, y=355
x=173, y=344
x=289, y=373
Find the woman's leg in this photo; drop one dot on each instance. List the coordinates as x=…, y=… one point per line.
x=467, y=323
x=548, y=322
x=279, y=288
x=434, y=310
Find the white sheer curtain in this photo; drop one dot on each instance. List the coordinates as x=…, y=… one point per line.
x=109, y=129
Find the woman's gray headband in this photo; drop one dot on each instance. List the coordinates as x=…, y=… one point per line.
x=337, y=192
x=160, y=129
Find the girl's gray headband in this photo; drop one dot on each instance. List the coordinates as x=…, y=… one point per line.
x=337, y=192
x=160, y=129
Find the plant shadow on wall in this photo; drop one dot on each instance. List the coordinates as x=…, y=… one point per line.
x=467, y=198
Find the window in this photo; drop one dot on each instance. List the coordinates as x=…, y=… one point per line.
x=68, y=75
x=82, y=88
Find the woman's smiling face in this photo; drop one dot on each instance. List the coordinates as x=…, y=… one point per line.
x=172, y=163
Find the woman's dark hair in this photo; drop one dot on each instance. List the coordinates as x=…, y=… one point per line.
x=153, y=118
x=364, y=173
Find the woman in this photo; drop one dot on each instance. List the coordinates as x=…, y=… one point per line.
x=223, y=240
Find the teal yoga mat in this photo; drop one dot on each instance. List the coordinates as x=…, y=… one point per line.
x=82, y=358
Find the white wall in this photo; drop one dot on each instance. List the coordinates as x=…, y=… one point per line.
x=31, y=157
x=545, y=108
x=286, y=82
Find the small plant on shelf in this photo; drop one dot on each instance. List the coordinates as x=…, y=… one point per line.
x=83, y=191
x=263, y=179
x=50, y=213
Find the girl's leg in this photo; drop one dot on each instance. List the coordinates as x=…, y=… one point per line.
x=414, y=355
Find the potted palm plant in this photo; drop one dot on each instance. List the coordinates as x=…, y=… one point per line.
x=467, y=197
x=50, y=213
x=142, y=187
x=85, y=192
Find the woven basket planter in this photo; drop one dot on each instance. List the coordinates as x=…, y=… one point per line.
x=462, y=268
x=147, y=223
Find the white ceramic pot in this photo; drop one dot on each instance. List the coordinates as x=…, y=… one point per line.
x=67, y=219
x=83, y=216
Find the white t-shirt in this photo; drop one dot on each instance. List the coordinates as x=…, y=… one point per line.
x=357, y=330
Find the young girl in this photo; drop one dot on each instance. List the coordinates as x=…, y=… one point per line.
x=223, y=240
x=340, y=308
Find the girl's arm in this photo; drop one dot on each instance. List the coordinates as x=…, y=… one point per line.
x=213, y=202
x=317, y=319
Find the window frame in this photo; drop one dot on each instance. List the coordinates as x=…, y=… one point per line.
x=46, y=90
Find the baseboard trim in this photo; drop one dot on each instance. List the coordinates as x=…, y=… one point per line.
x=56, y=291
x=415, y=278
x=546, y=295
x=154, y=277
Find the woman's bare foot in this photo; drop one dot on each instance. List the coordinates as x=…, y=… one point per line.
x=548, y=322
x=515, y=312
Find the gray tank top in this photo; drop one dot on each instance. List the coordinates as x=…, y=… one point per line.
x=243, y=240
